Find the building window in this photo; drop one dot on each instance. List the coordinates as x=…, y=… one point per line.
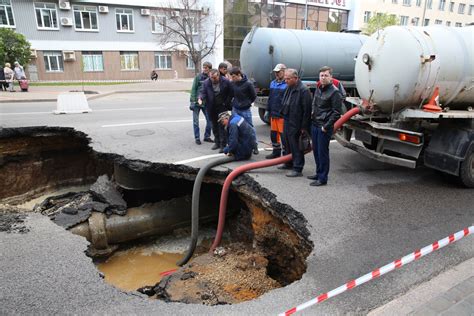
x=429, y=4
x=158, y=24
x=451, y=7
x=438, y=22
x=407, y=3
x=189, y=63
x=418, y=3
x=46, y=15
x=448, y=23
x=192, y=25
x=6, y=14
x=124, y=19
x=461, y=8
x=403, y=20
x=426, y=22
x=85, y=18
x=53, y=61
x=394, y=1
x=442, y=4
x=458, y=24
x=415, y=21
x=92, y=61
x=163, y=60
x=129, y=61
x=367, y=16
x=471, y=9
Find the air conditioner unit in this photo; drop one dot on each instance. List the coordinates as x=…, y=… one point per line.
x=69, y=55
x=205, y=10
x=33, y=53
x=65, y=5
x=145, y=11
x=174, y=14
x=103, y=9
x=66, y=21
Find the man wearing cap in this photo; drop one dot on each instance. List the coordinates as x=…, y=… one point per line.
x=240, y=136
x=277, y=89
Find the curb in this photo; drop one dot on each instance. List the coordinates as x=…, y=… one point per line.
x=91, y=97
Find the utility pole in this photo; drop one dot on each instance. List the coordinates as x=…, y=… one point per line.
x=306, y=15
x=423, y=15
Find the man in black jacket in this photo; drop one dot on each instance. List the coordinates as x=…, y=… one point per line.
x=326, y=110
x=216, y=93
x=296, y=109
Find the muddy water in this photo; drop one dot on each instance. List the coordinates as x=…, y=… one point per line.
x=134, y=268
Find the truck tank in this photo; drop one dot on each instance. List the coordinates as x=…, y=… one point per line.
x=401, y=67
x=306, y=51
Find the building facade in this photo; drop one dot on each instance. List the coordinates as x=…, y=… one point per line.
x=241, y=15
x=94, y=40
x=414, y=12
x=123, y=40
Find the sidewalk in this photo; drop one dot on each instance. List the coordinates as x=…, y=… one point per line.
x=50, y=93
x=450, y=293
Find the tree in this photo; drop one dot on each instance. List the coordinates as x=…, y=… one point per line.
x=379, y=21
x=13, y=47
x=186, y=27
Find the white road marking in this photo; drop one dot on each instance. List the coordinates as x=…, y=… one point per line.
x=182, y=162
x=152, y=122
x=103, y=110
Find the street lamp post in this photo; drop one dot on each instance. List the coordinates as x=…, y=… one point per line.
x=306, y=15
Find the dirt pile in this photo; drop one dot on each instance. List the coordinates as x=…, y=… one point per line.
x=231, y=275
x=12, y=219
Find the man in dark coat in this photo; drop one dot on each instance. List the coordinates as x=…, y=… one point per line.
x=239, y=134
x=216, y=93
x=296, y=110
x=244, y=95
x=326, y=110
x=196, y=108
x=3, y=83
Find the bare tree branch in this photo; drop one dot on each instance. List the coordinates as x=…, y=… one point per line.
x=186, y=28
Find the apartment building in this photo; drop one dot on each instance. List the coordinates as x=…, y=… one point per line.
x=415, y=12
x=95, y=40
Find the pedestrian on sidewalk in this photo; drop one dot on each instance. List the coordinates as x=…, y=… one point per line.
x=216, y=93
x=3, y=84
x=277, y=89
x=9, y=76
x=196, y=107
x=296, y=110
x=19, y=71
x=243, y=96
x=326, y=110
x=240, y=136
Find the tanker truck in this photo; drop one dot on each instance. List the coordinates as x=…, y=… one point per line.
x=305, y=51
x=416, y=88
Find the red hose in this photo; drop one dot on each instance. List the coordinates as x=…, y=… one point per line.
x=258, y=165
x=225, y=190
x=345, y=118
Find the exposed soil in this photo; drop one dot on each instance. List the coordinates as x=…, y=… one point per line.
x=232, y=274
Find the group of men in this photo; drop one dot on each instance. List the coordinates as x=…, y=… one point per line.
x=215, y=92
x=293, y=113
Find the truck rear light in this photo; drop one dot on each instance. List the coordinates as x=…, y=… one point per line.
x=409, y=138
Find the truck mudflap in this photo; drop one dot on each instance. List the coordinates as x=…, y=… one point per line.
x=449, y=146
x=375, y=155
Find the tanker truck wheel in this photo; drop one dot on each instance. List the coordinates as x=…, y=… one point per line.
x=261, y=113
x=466, y=174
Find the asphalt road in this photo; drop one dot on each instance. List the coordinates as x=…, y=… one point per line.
x=369, y=215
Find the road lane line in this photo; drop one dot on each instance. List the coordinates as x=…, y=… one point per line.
x=102, y=110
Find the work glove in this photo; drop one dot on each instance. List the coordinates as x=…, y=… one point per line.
x=226, y=150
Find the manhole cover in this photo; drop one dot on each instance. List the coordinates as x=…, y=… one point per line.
x=140, y=132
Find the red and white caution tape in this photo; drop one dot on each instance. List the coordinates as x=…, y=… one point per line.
x=383, y=270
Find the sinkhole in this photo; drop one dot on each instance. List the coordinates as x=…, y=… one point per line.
x=136, y=216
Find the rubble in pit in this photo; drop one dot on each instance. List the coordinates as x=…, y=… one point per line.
x=70, y=209
x=12, y=219
x=231, y=275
